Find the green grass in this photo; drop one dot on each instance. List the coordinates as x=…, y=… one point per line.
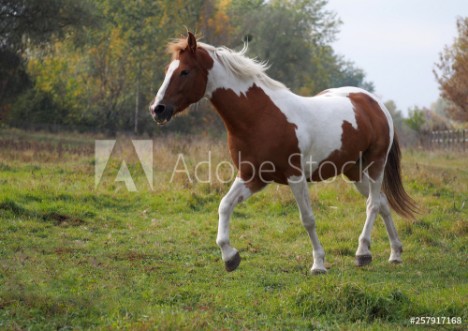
x=76, y=257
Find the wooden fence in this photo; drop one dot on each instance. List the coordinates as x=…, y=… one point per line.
x=449, y=139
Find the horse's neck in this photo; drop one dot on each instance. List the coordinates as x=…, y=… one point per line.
x=241, y=104
x=250, y=104
x=242, y=111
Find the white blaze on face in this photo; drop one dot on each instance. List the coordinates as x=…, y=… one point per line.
x=162, y=90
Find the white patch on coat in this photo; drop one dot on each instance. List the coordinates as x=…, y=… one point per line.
x=219, y=77
x=233, y=70
x=237, y=193
x=162, y=90
x=318, y=122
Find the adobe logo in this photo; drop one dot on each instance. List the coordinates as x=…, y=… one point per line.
x=103, y=151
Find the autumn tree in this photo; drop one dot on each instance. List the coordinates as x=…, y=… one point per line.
x=105, y=78
x=27, y=23
x=294, y=37
x=452, y=73
x=37, y=20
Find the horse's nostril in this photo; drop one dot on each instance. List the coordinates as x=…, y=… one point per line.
x=159, y=109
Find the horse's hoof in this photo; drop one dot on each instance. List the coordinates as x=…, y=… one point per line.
x=395, y=258
x=233, y=263
x=363, y=260
x=319, y=271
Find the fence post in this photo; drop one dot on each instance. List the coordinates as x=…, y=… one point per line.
x=449, y=139
x=458, y=140
x=451, y=135
x=459, y=136
x=464, y=139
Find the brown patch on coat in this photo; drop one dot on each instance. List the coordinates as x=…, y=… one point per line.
x=353, y=144
x=262, y=143
x=364, y=147
x=369, y=113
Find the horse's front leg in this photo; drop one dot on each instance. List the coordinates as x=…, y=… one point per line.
x=237, y=193
x=298, y=185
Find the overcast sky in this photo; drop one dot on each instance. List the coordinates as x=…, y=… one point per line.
x=397, y=42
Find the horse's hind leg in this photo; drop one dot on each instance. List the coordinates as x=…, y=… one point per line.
x=395, y=244
x=300, y=190
x=396, y=248
x=363, y=253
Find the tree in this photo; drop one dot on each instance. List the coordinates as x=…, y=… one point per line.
x=25, y=23
x=37, y=20
x=294, y=37
x=104, y=78
x=347, y=74
x=13, y=79
x=452, y=73
x=396, y=114
x=416, y=119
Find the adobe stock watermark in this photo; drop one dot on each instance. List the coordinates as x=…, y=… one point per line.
x=326, y=170
x=103, y=151
x=224, y=172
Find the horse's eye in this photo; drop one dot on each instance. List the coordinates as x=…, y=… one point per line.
x=184, y=73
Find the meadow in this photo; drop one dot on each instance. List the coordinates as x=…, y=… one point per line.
x=74, y=256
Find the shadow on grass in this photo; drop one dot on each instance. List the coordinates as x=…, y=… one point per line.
x=55, y=218
x=352, y=303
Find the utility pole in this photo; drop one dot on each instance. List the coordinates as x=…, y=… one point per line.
x=137, y=97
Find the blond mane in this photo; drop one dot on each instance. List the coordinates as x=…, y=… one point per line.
x=236, y=62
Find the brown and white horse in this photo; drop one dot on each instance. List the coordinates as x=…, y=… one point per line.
x=277, y=136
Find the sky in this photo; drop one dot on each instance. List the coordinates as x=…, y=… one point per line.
x=397, y=43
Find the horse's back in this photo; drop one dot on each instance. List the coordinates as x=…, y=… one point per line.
x=340, y=125
x=344, y=91
x=354, y=94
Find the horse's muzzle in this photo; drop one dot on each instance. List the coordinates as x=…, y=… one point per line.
x=162, y=113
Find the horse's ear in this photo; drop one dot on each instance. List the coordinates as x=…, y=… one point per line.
x=191, y=42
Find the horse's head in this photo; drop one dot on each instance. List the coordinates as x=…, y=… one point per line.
x=185, y=81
